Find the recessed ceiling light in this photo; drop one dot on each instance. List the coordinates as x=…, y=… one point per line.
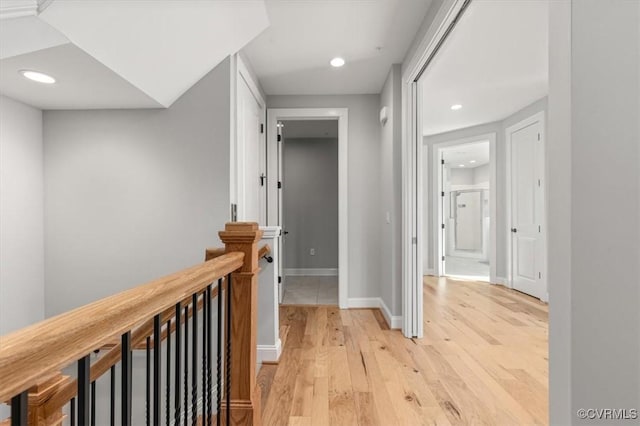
x=472, y=161
x=38, y=76
x=337, y=62
x=456, y=107
x=461, y=165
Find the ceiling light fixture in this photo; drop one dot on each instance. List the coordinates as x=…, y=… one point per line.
x=472, y=161
x=38, y=76
x=461, y=165
x=456, y=107
x=337, y=62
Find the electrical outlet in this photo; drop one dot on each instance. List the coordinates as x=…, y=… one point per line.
x=312, y=252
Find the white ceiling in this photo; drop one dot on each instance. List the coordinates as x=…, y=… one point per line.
x=292, y=56
x=158, y=48
x=81, y=81
x=310, y=129
x=469, y=155
x=494, y=63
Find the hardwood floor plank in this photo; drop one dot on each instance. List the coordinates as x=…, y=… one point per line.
x=483, y=360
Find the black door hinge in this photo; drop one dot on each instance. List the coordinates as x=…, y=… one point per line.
x=442, y=194
x=279, y=138
x=443, y=258
x=279, y=279
x=279, y=185
x=261, y=128
x=262, y=178
x=443, y=226
x=442, y=161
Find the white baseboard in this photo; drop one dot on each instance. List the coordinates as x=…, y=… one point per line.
x=317, y=272
x=394, y=322
x=429, y=272
x=364, y=302
x=502, y=281
x=269, y=353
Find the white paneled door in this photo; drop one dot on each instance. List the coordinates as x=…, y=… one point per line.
x=527, y=208
x=251, y=208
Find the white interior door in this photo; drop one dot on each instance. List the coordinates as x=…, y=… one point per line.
x=250, y=208
x=527, y=209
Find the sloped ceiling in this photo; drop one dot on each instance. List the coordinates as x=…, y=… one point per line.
x=152, y=51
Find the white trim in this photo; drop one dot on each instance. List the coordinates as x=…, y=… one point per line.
x=10, y=9
x=312, y=272
x=342, y=115
x=394, y=322
x=269, y=353
x=412, y=198
x=541, y=168
x=364, y=302
x=493, y=199
x=502, y=281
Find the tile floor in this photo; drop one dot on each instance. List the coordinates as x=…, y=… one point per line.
x=467, y=267
x=310, y=290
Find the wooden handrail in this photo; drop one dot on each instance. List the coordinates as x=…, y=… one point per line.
x=43, y=349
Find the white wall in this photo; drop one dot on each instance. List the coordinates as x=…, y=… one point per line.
x=132, y=195
x=390, y=187
x=501, y=185
x=605, y=206
x=363, y=191
x=21, y=216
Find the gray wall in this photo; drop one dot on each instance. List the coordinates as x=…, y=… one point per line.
x=605, y=206
x=390, y=187
x=132, y=195
x=501, y=185
x=21, y=216
x=310, y=198
x=363, y=191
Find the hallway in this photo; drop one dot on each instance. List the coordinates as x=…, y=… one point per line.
x=483, y=360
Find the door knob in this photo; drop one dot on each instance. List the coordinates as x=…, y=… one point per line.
x=514, y=230
x=285, y=232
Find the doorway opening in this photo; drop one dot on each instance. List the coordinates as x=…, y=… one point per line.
x=283, y=123
x=466, y=209
x=310, y=211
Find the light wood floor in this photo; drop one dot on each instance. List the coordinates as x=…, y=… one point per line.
x=483, y=360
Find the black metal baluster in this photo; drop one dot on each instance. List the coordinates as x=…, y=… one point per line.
x=72, y=412
x=157, y=365
x=84, y=369
x=194, y=361
x=147, y=386
x=168, y=387
x=228, y=344
x=186, y=364
x=93, y=403
x=178, y=373
x=209, y=352
x=126, y=382
x=219, y=357
x=20, y=409
x=112, y=402
x=204, y=357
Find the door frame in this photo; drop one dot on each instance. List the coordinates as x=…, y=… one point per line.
x=412, y=165
x=541, y=171
x=437, y=204
x=342, y=116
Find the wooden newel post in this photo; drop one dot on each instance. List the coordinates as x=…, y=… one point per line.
x=245, y=395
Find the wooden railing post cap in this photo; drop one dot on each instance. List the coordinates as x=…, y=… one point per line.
x=240, y=231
